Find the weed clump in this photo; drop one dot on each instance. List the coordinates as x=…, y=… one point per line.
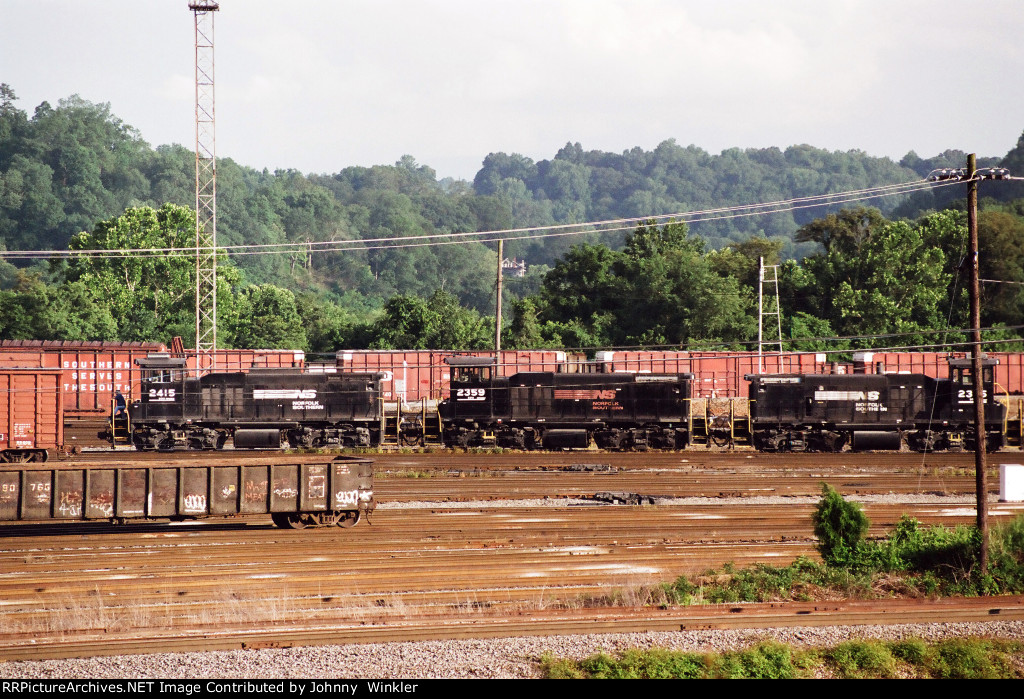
x=960, y=658
x=840, y=527
x=860, y=659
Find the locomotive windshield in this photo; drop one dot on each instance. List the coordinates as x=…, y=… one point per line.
x=471, y=369
x=158, y=368
x=474, y=374
x=964, y=375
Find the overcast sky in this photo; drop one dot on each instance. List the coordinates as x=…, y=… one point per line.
x=318, y=86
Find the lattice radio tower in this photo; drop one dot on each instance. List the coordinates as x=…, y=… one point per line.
x=768, y=274
x=206, y=189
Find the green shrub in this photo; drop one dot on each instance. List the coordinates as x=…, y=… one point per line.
x=765, y=661
x=681, y=590
x=952, y=659
x=949, y=553
x=1006, y=558
x=600, y=666
x=660, y=664
x=859, y=659
x=965, y=659
x=655, y=663
x=559, y=668
x=910, y=650
x=839, y=526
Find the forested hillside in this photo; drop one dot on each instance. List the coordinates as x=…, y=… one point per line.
x=75, y=175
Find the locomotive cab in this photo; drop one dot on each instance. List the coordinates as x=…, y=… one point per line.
x=956, y=406
x=961, y=376
x=162, y=391
x=478, y=400
x=477, y=392
x=167, y=399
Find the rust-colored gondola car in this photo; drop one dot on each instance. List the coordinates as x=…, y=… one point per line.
x=305, y=491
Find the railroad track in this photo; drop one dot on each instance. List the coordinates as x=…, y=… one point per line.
x=459, y=549
x=469, y=626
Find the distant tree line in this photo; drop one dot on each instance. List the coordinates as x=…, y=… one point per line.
x=75, y=177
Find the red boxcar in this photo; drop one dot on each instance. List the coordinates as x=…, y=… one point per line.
x=91, y=371
x=1009, y=372
x=31, y=414
x=715, y=374
x=412, y=375
x=229, y=360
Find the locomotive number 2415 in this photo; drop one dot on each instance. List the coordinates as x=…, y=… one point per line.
x=161, y=395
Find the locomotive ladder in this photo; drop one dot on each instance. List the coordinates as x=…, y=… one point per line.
x=1013, y=422
x=430, y=427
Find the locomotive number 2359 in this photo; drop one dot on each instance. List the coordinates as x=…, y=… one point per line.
x=471, y=394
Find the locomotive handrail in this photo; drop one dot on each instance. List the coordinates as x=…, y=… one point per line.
x=1006, y=413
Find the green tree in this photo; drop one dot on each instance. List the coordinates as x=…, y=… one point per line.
x=410, y=322
x=902, y=284
x=34, y=310
x=524, y=332
x=668, y=292
x=144, y=274
x=268, y=319
x=845, y=231
x=580, y=288
x=1001, y=258
x=329, y=326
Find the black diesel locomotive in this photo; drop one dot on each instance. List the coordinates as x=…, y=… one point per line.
x=258, y=409
x=811, y=412
x=268, y=408
x=542, y=409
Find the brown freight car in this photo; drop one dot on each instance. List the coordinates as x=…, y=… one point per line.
x=91, y=372
x=304, y=491
x=31, y=414
x=412, y=376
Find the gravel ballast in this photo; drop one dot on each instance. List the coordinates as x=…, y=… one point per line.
x=503, y=658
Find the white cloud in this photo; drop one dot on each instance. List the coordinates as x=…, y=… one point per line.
x=324, y=85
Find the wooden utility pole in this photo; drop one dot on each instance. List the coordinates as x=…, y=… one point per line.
x=497, y=307
x=980, y=440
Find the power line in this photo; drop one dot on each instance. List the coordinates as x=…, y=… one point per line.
x=527, y=233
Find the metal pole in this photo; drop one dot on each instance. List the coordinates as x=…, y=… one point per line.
x=497, y=307
x=981, y=482
x=760, y=313
x=206, y=189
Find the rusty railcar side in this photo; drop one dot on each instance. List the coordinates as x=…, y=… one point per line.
x=304, y=491
x=31, y=414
